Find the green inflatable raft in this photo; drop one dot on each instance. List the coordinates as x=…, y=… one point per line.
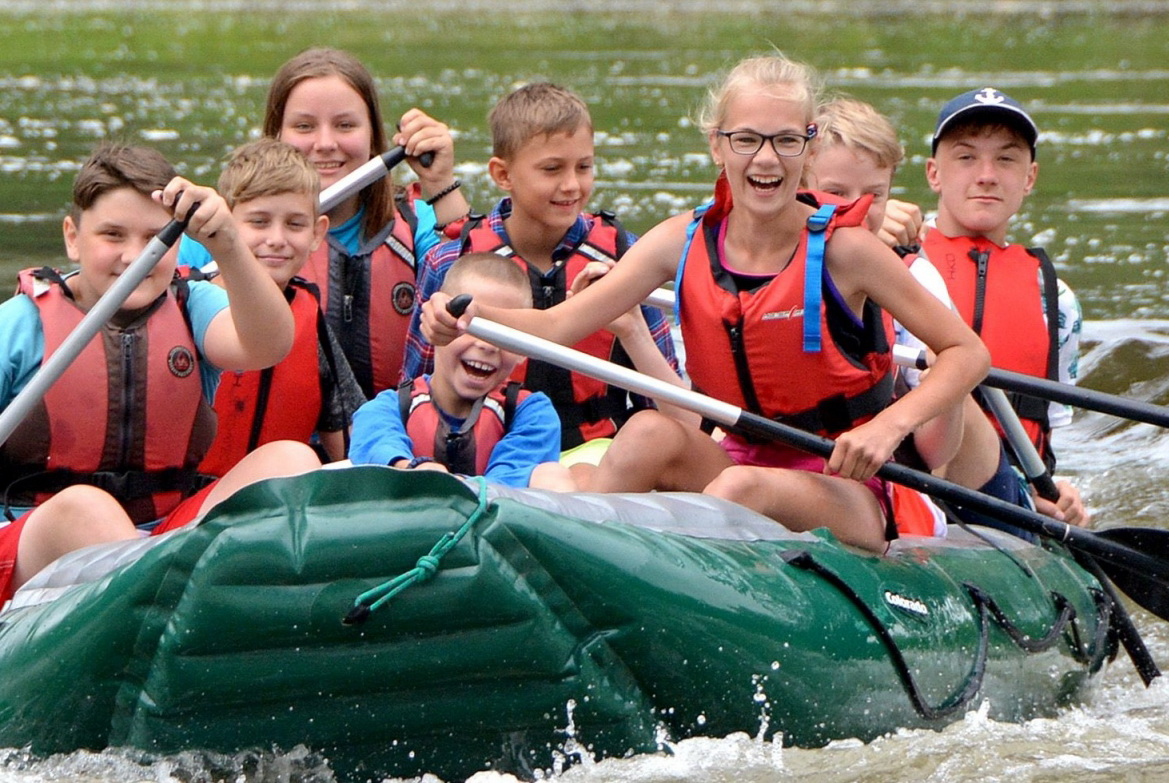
x=407, y=622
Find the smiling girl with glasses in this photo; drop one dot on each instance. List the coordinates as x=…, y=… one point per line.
x=740, y=264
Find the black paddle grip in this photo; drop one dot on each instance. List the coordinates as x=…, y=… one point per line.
x=458, y=305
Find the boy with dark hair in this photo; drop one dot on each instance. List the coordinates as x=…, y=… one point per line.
x=116, y=441
x=982, y=167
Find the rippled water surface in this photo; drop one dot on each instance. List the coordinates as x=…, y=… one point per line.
x=1095, y=75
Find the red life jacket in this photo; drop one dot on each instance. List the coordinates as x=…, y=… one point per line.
x=128, y=414
x=368, y=298
x=468, y=450
x=588, y=408
x=278, y=403
x=999, y=294
x=751, y=348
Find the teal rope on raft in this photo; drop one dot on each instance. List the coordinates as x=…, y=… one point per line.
x=424, y=569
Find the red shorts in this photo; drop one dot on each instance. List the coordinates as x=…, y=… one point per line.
x=778, y=455
x=184, y=512
x=9, y=543
x=180, y=515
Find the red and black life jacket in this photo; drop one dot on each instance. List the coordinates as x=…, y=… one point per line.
x=588, y=408
x=128, y=414
x=368, y=298
x=282, y=402
x=1002, y=294
x=754, y=347
x=468, y=450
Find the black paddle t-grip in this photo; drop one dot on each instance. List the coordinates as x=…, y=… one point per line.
x=458, y=305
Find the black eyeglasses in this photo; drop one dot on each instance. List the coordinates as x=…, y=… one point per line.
x=786, y=145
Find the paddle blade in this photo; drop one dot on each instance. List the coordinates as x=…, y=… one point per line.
x=1149, y=588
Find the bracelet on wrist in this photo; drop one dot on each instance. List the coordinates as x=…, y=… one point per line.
x=449, y=189
x=418, y=461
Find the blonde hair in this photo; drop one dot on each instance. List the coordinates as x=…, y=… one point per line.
x=267, y=167
x=771, y=75
x=488, y=266
x=858, y=126
x=536, y=109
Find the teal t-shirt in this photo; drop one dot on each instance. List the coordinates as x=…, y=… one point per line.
x=22, y=339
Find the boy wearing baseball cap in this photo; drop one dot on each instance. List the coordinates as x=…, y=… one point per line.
x=982, y=167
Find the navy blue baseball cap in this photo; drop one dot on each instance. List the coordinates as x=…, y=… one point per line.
x=992, y=104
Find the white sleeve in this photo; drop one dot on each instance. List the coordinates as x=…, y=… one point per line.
x=930, y=278
x=1071, y=324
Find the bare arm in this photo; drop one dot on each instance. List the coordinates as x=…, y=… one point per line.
x=649, y=263
x=861, y=266
x=418, y=132
x=334, y=444
x=637, y=340
x=256, y=330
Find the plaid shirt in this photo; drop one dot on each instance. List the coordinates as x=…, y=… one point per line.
x=432, y=271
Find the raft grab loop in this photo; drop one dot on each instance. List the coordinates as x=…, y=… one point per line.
x=986, y=608
x=424, y=569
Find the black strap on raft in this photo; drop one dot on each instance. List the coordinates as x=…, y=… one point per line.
x=986, y=608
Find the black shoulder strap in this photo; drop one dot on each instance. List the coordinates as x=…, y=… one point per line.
x=1050, y=309
x=405, y=398
x=406, y=210
x=610, y=219
x=511, y=395
x=473, y=222
x=52, y=275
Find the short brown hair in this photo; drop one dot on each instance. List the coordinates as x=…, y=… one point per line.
x=113, y=166
x=490, y=266
x=536, y=109
x=267, y=167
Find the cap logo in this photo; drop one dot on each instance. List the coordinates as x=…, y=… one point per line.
x=989, y=96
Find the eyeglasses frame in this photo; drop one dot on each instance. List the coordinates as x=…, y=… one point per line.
x=763, y=138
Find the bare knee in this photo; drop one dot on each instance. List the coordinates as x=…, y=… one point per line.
x=553, y=476
x=76, y=517
x=651, y=451
x=272, y=460
x=739, y=484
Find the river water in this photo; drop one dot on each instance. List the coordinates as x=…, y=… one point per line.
x=1094, y=75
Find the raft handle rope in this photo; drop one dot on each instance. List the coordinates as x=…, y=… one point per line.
x=986, y=608
x=424, y=569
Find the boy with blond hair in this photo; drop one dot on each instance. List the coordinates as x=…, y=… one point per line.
x=134, y=406
x=466, y=417
x=543, y=158
x=272, y=191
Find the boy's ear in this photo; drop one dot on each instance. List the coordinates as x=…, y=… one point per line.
x=1032, y=176
x=931, y=175
x=500, y=173
x=320, y=228
x=69, y=231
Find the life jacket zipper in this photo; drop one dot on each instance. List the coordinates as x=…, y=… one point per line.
x=125, y=433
